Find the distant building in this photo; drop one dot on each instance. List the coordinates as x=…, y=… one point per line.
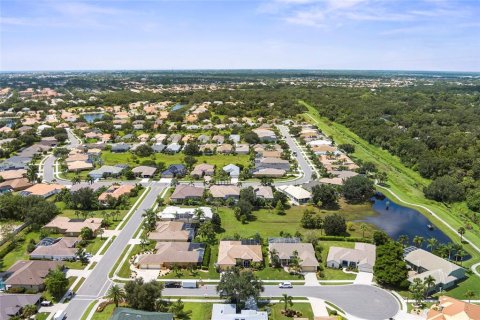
x=296, y=194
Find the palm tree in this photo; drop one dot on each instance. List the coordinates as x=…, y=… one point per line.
x=461, y=232
x=287, y=300
x=403, y=239
x=32, y=173
x=418, y=241
x=29, y=310
x=449, y=247
x=363, y=227
x=429, y=283
x=116, y=294
x=469, y=295
x=198, y=214
x=460, y=254
x=76, y=179
x=174, y=182
x=432, y=243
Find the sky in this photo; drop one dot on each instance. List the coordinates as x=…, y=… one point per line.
x=243, y=34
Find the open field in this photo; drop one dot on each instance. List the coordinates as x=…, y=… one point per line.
x=403, y=181
x=110, y=158
x=269, y=224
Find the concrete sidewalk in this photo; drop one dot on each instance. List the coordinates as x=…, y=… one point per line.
x=319, y=307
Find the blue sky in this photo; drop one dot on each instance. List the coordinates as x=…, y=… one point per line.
x=307, y=34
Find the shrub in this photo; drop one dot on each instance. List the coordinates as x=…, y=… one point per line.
x=206, y=256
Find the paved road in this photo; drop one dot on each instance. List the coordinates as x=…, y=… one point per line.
x=302, y=162
x=97, y=284
x=49, y=164
x=360, y=301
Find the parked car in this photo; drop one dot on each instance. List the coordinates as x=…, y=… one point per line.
x=285, y=285
x=173, y=284
x=70, y=294
x=46, y=303
x=60, y=315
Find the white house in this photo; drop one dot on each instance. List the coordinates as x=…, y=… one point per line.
x=296, y=194
x=177, y=213
x=229, y=312
x=362, y=257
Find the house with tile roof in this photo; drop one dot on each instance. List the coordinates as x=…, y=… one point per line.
x=30, y=274
x=238, y=253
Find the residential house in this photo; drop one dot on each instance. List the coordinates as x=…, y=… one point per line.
x=218, y=139
x=175, y=138
x=120, y=147
x=242, y=148
x=174, y=171
x=144, y=171
x=241, y=253
x=184, y=192
x=203, y=139
x=269, y=172
x=229, y=312
x=132, y=314
x=105, y=171
x=172, y=231
x=265, y=135
x=72, y=227
x=79, y=166
x=225, y=192
x=235, y=138
x=173, y=148
x=12, y=304
x=203, y=169
x=208, y=148
x=362, y=256
x=158, y=147
x=168, y=254
x=116, y=191
x=265, y=192
x=225, y=149
x=29, y=274
x=14, y=185
x=185, y=214
x=232, y=170
x=42, y=190
x=285, y=249
x=272, y=163
x=448, y=308
x=424, y=264
x=13, y=174
x=296, y=194
x=55, y=249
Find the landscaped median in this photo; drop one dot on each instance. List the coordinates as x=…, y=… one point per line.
x=404, y=182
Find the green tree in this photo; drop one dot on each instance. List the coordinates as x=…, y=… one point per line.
x=236, y=286
x=287, y=301
x=116, y=294
x=178, y=310
x=469, y=294
x=461, y=231
x=29, y=310
x=445, y=189
x=143, y=295
x=87, y=234
x=363, y=228
x=32, y=173
x=429, y=283
x=417, y=289
x=418, y=241
x=334, y=225
x=325, y=195
x=390, y=268
x=56, y=283
x=358, y=189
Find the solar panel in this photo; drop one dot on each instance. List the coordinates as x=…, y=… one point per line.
x=284, y=240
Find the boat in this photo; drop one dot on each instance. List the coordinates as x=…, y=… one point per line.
x=429, y=226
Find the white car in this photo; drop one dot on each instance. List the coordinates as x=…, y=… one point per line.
x=285, y=285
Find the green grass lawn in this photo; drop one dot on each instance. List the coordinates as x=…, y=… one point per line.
x=125, y=271
x=105, y=314
x=41, y=316
x=268, y=224
x=74, y=265
x=200, y=311
x=403, y=181
x=95, y=244
x=472, y=283
x=110, y=158
x=79, y=284
x=20, y=251
x=304, y=308
x=69, y=175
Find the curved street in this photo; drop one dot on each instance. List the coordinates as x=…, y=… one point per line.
x=359, y=301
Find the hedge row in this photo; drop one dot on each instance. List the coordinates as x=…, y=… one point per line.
x=346, y=239
x=206, y=256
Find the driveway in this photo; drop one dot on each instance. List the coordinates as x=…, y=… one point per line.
x=360, y=301
x=364, y=278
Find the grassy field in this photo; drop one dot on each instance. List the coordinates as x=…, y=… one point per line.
x=304, y=308
x=268, y=224
x=403, y=181
x=41, y=316
x=105, y=314
x=110, y=158
x=125, y=271
x=94, y=245
x=471, y=283
x=200, y=311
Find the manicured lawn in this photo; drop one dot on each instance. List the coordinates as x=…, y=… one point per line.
x=47, y=296
x=41, y=316
x=20, y=251
x=70, y=175
x=472, y=283
x=403, y=181
x=125, y=271
x=79, y=284
x=269, y=224
x=269, y=273
x=304, y=308
x=200, y=311
x=89, y=309
x=110, y=158
x=105, y=314
x=74, y=265
x=110, y=241
x=95, y=244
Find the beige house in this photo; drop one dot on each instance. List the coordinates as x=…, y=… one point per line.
x=42, y=190
x=13, y=174
x=116, y=191
x=63, y=249
x=172, y=231
x=182, y=254
x=362, y=257
x=203, y=169
x=233, y=253
x=286, y=251
x=225, y=191
x=73, y=227
x=30, y=275
x=184, y=192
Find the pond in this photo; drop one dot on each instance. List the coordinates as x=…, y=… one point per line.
x=397, y=220
x=91, y=117
x=178, y=106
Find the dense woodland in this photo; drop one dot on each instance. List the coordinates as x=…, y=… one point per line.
x=433, y=129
